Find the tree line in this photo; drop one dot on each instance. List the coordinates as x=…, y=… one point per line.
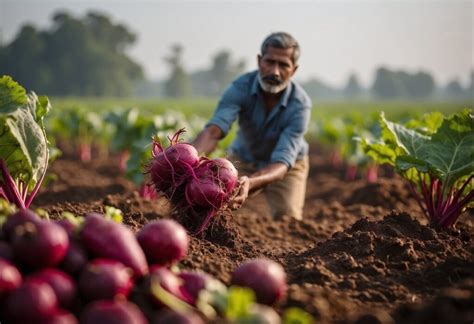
x=86, y=56
x=76, y=56
x=389, y=84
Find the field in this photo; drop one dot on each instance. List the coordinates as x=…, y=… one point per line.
x=205, y=106
x=363, y=253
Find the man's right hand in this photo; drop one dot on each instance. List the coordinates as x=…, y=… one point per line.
x=243, y=189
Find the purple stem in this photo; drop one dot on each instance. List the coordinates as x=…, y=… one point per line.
x=418, y=198
x=10, y=188
x=426, y=196
x=455, y=210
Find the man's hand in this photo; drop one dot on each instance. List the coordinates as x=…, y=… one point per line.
x=271, y=173
x=207, y=139
x=243, y=188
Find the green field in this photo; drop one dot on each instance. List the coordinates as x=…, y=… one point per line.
x=204, y=106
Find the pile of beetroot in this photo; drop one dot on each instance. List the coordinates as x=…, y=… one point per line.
x=197, y=186
x=96, y=270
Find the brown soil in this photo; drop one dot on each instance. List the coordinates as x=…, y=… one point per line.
x=362, y=254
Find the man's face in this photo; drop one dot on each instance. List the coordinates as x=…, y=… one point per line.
x=276, y=69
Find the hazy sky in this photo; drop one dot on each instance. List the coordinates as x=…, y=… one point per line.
x=336, y=37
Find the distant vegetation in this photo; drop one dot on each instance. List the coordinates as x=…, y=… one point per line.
x=76, y=56
x=203, y=107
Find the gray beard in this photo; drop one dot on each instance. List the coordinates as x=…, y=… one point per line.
x=270, y=87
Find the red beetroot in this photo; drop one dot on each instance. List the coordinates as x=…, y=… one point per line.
x=265, y=277
x=105, y=279
x=10, y=278
x=224, y=172
x=105, y=238
x=33, y=301
x=164, y=241
x=18, y=218
x=6, y=251
x=59, y=316
x=109, y=311
x=204, y=192
x=40, y=244
x=172, y=317
x=75, y=259
x=68, y=226
x=172, y=166
x=194, y=282
x=63, y=285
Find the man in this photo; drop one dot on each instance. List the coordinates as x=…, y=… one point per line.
x=273, y=114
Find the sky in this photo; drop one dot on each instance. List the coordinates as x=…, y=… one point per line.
x=336, y=37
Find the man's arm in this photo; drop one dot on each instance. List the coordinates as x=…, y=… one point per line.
x=271, y=173
x=207, y=139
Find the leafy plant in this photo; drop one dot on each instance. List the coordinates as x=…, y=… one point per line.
x=81, y=128
x=436, y=157
x=24, y=146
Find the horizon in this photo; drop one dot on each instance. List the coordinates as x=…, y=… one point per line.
x=344, y=37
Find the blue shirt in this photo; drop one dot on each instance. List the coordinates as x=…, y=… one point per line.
x=261, y=139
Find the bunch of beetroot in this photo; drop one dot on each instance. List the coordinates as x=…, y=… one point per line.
x=98, y=271
x=65, y=271
x=197, y=185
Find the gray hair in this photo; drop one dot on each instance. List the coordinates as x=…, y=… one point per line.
x=282, y=40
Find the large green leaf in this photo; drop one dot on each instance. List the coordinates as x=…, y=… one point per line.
x=406, y=139
x=11, y=94
x=23, y=143
x=451, y=149
x=378, y=151
x=427, y=124
x=448, y=153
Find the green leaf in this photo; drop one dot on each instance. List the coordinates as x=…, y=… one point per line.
x=12, y=94
x=451, y=149
x=114, y=214
x=406, y=162
x=23, y=140
x=294, y=315
x=427, y=124
x=379, y=151
x=239, y=302
x=169, y=299
x=402, y=138
x=212, y=299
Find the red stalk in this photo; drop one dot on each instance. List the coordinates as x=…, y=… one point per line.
x=426, y=195
x=9, y=187
x=455, y=210
x=418, y=198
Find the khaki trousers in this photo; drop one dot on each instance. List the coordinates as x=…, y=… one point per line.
x=286, y=196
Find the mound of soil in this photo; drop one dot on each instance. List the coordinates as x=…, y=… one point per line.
x=362, y=254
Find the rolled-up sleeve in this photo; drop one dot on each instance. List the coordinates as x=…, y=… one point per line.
x=228, y=109
x=287, y=148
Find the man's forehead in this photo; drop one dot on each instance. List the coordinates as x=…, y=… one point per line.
x=279, y=53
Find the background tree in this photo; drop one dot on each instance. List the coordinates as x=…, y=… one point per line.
x=454, y=89
x=213, y=81
x=352, y=88
x=395, y=85
x=387, y=85
x=178, y=84
x=224, y=71
x=419, y=85
x=76, y=56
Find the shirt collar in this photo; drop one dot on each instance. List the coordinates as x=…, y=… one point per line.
x=255, y=90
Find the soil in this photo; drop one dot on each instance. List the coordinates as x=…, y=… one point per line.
x=363, y=253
